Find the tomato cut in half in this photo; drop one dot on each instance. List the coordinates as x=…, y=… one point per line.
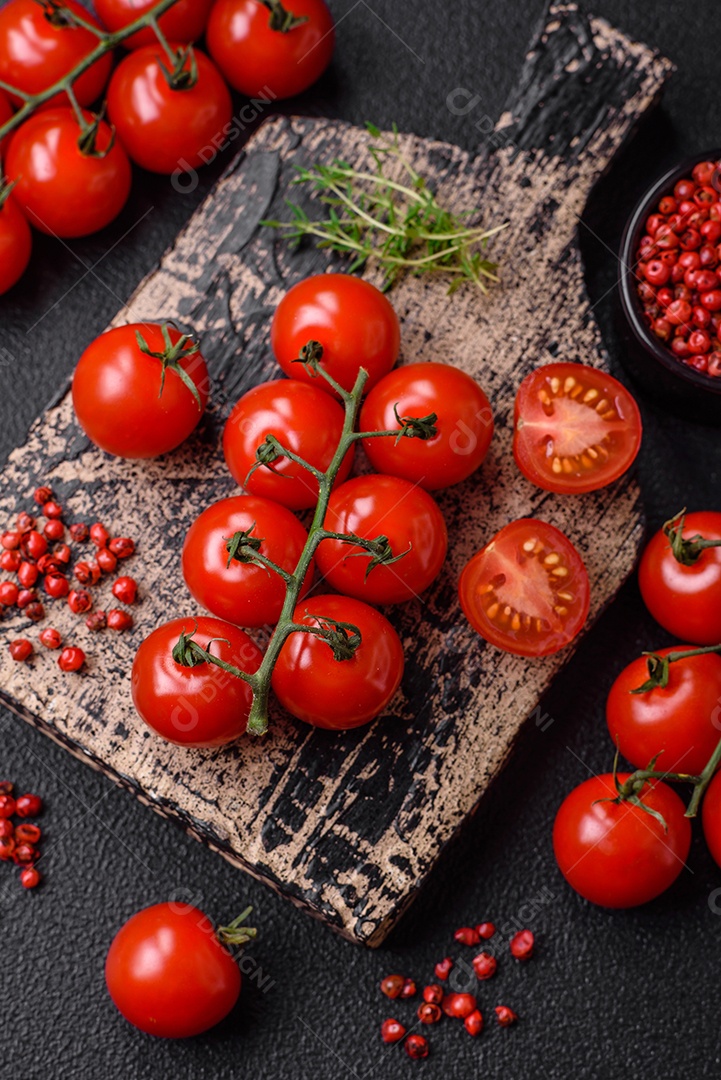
x=526, y=591
x=576, y=428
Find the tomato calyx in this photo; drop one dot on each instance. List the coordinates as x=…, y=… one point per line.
x=658, y=666
x=343, y=638
x=179, y=77
x=89, y=130
x=189, y=654
x=379, y=549
x=281, y=19
x=687, y=550
x=236, y=934
x=186, y=345
x=58, y=15
x=243, y=547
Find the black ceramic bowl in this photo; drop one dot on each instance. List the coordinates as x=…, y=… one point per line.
x=681, y=389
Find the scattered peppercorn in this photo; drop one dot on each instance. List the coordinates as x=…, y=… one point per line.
x=21, y=649
x=474, y=1023
x=505, y=1016
x=417, y=1047
x=521, y=945
x=392, y=1031
x=119, y=620
x=71, y=659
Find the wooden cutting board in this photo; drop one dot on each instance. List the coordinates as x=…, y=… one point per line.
x=348, y=825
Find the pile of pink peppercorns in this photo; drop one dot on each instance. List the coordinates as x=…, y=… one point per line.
x=19, y=843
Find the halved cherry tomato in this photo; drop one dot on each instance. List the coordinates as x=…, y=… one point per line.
x=577, y=428
x=15, y=243
x=711, y=817
x=185, y=21
x=526, y=591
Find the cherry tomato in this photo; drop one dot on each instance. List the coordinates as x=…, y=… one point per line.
x=62, y=190
x=526, y=591
x=259, y=60
x=305, y=420
x=118, y=398
x=339, y=694
x=200, y=705
x=15, y=244
x=185, y=21
x=376, y=506
x=685, y=600
x=616, y=854
x=242, y=593
x=36, y=51
x=352, y=321
x=682, y=720
x=464, y=424
x=576, y=428
x=164, y=129
x=168, y=973
x=711, y=817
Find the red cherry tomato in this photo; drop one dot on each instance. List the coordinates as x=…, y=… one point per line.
x=62, y=190
x=185, y=21
x=339, y=694
x=616, y=854
x=200, y=705
x=464, y=425
x=685, y=600
x=118, y=399
x=374, y=506
x=168, y=973
x=259, y=60
x=351, y=319
x=37, y=51
x=526, y=591
x=242, y=593
x=711, y=817
x=163, y=129
x=576, y=428
x=15, y=244
x=682, y=720
x=305, y=420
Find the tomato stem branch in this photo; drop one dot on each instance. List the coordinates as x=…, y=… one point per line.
x=658, y=666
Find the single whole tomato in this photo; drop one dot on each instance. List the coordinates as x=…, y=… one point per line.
x=185, y=21
x=275, y=53
x=711, y=817
x=576, y=428
x=15, y=243
x=683, y=590
x=305, y=420
x=242, y=592
x=122, y=401
x=168, y=972
x=37, y=49
x=198, y=705
x=63, y=190
x=338, y=694
x=349, y=318
x=168, y=128
x=527, y=590
x=616, y=854
x=391, y=508
x=464, y=424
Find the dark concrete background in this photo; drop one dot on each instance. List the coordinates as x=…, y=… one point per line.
x=610, y=994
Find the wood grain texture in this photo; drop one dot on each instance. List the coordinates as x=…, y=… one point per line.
x=349, y=825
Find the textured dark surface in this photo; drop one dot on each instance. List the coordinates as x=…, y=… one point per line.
x=591, y=1002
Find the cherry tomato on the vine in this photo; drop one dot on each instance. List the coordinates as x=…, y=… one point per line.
x=241, y=592
x=117, y=393
x=711, y=817
x=464, y=424
x=352, y=321
x=164, y=129
x=383, y=506
x=616, y=854
x=305, y=420
x=257, y=58
x=64, y=191
x=338, y=694
x=527, y=590
x=15, y=243
x=576, y=428
x=185, y=21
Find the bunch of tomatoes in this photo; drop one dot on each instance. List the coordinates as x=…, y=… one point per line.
x=66, y=168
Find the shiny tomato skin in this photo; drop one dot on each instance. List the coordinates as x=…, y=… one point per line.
x=241, y=593
x=304, y=419
x=372, y=506
x=681, y=721
x=711, y=818
x=62, y=191
x=534, y=586
x=168, y=974
x=260, y=61
x=184, y=22
x=339, y=694
x=117, y=398
x=685, y=600
x=166, y=130
x=618, y=855
x=201, y=705
x=349, y=317
x=464, y=425
x=561, y=441
x=15, y=244
x=35, y=54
